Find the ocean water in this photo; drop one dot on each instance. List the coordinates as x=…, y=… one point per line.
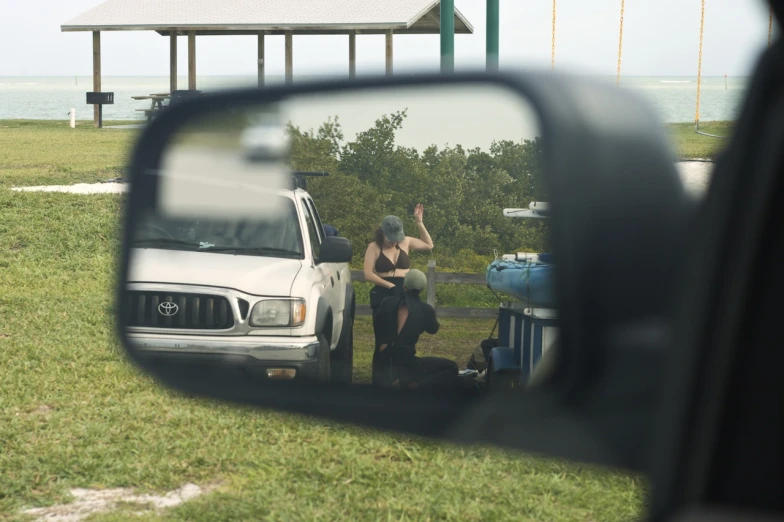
x=51, y=98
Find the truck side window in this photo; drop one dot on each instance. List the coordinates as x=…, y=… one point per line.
x=315, y=237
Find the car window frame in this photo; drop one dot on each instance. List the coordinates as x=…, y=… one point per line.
x=310, y=223
x=319, y=225
x=719, y=429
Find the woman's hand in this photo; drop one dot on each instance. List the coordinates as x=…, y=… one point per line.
x=419, y=212
x=424, y=242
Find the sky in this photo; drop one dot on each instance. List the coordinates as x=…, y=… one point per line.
x=431, y=118
x=661, y=38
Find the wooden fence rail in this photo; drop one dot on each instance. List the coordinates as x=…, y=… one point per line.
x=434, y=277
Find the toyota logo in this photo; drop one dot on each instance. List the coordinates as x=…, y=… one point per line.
x=168, y=308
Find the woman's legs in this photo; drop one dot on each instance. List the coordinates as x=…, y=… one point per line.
x=377, y=295
x=380, y=369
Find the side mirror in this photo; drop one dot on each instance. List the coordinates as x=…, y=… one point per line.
x=202, y=249
x=335, y=250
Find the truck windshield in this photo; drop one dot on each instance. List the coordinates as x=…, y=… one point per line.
x=278, y=236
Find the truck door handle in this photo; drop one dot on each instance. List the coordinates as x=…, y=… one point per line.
x=333, y=280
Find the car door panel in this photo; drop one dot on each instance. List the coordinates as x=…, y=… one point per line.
x=335, y=291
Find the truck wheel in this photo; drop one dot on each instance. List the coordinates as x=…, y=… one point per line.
x=499, y=381
x=343, y=356
x=323, y=359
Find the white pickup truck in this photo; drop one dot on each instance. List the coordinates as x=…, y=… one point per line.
x=273, y=296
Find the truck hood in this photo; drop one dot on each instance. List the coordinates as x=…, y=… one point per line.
x=265, y=276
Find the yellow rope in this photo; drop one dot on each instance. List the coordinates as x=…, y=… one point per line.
x=699, y=66
x=770, y=27
x=620, y=47
x=552, y=63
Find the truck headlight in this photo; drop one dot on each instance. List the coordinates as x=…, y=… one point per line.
x=278, y=313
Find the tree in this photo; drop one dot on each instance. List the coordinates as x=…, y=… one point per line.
x=464, y=192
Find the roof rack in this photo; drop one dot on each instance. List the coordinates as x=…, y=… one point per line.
x=299, y=178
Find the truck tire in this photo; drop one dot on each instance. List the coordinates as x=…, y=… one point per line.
x=324, y=366
x=343, y=356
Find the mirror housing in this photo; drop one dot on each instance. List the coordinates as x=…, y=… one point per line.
x=617, y=227
x=335, y=250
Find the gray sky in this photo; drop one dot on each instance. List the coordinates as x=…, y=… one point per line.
x=661, y=37
x=431, y=118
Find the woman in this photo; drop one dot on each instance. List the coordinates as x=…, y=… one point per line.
x=386, y=258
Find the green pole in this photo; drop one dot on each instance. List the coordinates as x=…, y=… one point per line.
x=493, y=17
x=447, y=35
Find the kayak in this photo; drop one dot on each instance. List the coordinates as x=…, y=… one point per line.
x=531, y=282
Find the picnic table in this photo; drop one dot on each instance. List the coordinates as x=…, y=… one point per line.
x=156, y=103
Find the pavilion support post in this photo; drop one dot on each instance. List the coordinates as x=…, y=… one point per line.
x=173, y=61
x=447, y=36
x=493, y=17
x=191, y=60
x=352, y=54
x=97, y=75
x=289, y=57
x=261, y=58
x=389, y=52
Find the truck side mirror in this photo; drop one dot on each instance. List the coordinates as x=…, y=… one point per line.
x=335, y=250
x=598, y=156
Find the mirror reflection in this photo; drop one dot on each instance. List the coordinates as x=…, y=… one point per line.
x=396, y=237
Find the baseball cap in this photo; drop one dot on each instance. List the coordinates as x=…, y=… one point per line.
x=415, y=280
x=392, y=227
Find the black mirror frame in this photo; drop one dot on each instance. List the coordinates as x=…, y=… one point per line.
x=339, y=243
x=587, y=126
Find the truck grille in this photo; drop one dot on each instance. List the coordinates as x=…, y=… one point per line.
x=179, y=311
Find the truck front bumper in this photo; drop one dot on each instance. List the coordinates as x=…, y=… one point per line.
x=252, y=353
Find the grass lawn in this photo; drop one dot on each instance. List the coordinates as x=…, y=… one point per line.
x=690, y=145
x=50, y=153
x=74, y=414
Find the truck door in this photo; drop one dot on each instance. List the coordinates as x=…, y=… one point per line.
x=326, y=273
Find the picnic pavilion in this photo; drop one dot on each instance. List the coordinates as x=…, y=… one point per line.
x=259, y=18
